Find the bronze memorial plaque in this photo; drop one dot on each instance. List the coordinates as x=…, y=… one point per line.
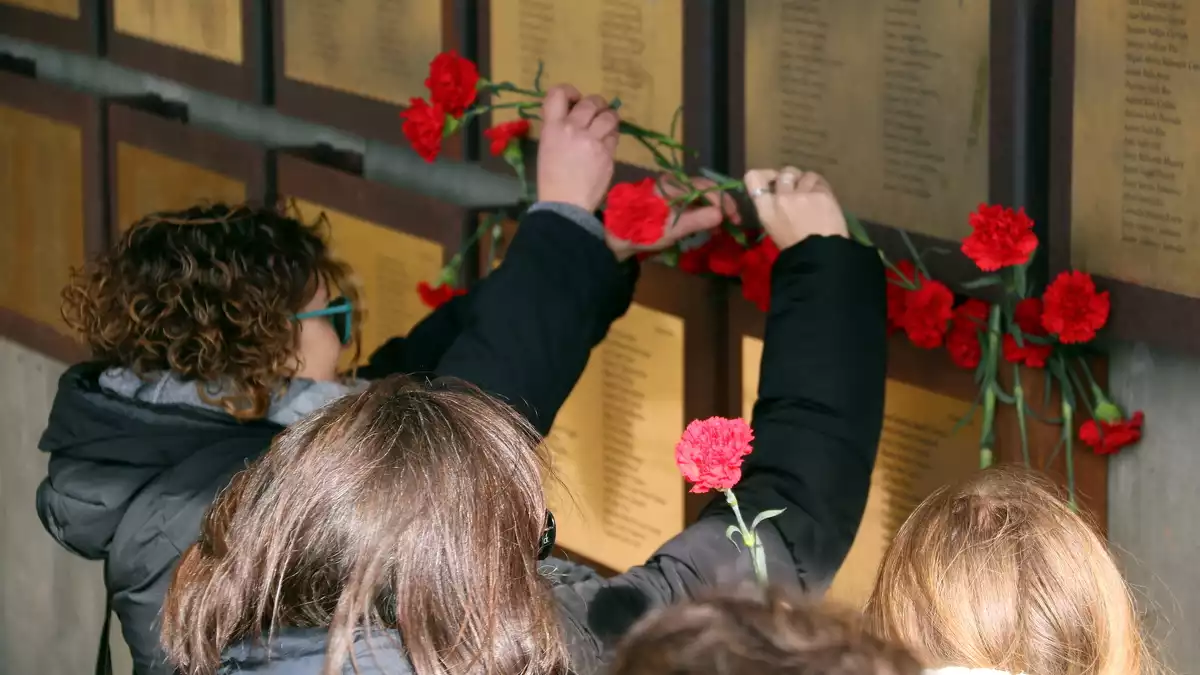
x=212, y=28
x=387, y=265
x=631, y=49
x=41, y=212
x=148, y=182
x=886, y=98
x=1135, y=172
x=919, y=451
x=67, y=9
x=378, y=49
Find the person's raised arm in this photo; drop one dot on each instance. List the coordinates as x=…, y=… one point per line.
x=817, y=423
x=532, y=323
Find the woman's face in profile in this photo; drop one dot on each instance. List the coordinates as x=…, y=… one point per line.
x=319, y=345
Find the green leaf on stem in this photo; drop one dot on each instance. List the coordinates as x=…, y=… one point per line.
x=857, y=231
x=912, y=250
x=729, y=532
x=721, y=178
x=769, y=513
x=1001, y=394
x=983, y=282
x=537, y=79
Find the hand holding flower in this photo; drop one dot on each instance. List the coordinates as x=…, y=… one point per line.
x=575, y=151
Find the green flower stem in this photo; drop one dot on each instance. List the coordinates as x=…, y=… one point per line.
x=753, y=545
x=1019, y=402
x=992, y=353
x=1068, y=440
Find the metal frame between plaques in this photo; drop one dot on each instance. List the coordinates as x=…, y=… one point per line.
x=87, y=113
x=371, y=118
x=1016, y=139
x=80, y=35
x=1138, y=313
x=703, y=49
x=245, y=162
x=245, y=81
x=932, y=370
x=700, y=304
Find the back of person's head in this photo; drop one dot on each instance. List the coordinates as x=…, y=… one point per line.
x=999, y=572
x=210, y=293
x=410, y=506
x=755, y=632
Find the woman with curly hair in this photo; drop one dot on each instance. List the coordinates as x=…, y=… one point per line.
x=214, y=328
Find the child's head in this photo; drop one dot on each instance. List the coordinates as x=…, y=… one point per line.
x=408, y=506
x=1000, y=573
x=755, y=632
x=212, y=293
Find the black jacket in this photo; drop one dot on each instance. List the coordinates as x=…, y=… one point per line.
x=129, y=481
x=817, y=424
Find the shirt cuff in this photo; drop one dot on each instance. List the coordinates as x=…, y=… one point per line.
x=578, y=215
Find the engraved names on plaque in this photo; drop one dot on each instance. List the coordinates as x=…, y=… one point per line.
x=1135, y=171
x=618, y=494
x=212, y=28
x=887, y=98
x=377, y=49
x=41, y=212
x=922, y=448
x=628, y=49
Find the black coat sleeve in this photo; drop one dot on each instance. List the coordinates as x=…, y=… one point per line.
x=531, y=324
x=817, y=424
x=420, y=351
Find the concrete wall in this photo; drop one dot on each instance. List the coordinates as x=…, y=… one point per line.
x=51, y=601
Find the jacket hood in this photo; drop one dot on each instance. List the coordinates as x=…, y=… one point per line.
x=106, y=448
x=301, y=651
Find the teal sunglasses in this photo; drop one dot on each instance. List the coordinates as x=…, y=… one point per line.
x=340, y=312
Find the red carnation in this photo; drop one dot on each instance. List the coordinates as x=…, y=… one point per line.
x=1072, y=309
x=927, y=313
x=756, y=272
x=636, y=212
x=451, y=82
x=721, y=255
x=1028, y=317
x=1000, y=237
x=897, y=292
x=423, y=126
x=1106, y=438
x=501, y=134
x=709, y=454
x=963, y=339
x=436, y=296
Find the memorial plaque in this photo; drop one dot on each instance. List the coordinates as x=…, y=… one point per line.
x=148, y=182
x=67, y=24
x=1135, y=178
x=355, y=65
x=621, y=496
x=68, y=9
x=215, y=45
x=886, y=98
x=212, y=28
x=628, y=49
x=41, y=212
x=162, y=164
x=387, y=265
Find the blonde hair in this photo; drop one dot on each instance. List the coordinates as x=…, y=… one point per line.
x=999, y=572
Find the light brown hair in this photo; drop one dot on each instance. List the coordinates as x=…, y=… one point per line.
x=755, y=632
x=208, y=293
x=1001, y=573
x=409, y=506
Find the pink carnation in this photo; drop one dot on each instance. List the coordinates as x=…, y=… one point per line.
x=709, y=454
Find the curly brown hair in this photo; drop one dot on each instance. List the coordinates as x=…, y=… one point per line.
x=209, y=293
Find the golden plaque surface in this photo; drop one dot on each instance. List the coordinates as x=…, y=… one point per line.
x=41, y=212
x=68, y=9
x=621, y=495
x=387, y=266
x=212, y=28
x=888, y=100
x=1135, y=172
x=148, y=182
x=630, y=49
x=377, y=49
x=917, y=455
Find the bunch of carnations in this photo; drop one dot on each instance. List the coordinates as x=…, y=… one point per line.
x=709, y=455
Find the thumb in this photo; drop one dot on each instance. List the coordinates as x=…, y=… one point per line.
x=695, y=220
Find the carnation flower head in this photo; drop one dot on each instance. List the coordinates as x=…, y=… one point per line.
x=709, y=454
